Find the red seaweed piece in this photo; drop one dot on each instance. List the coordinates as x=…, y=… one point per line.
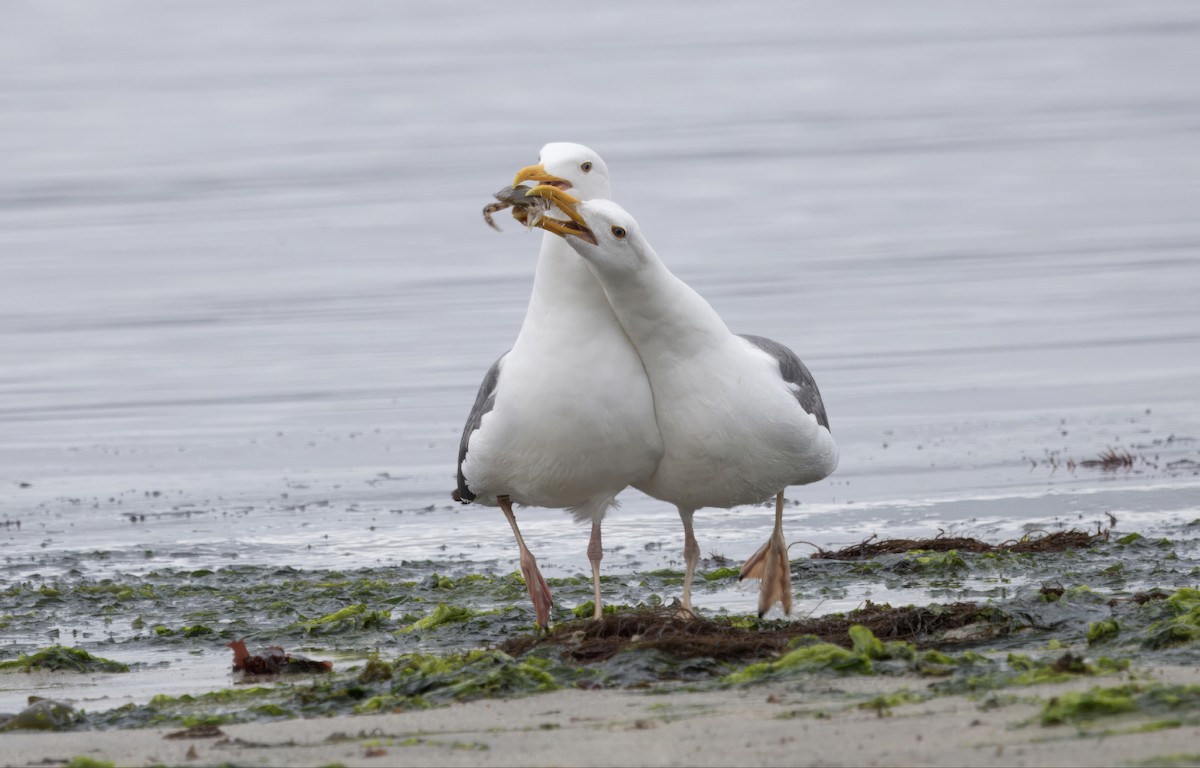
x=275, y=661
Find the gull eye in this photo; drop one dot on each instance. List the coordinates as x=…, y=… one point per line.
x=586, y=167
x=619, y=233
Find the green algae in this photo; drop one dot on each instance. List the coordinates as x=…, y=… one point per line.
x=474, y=674
x=83, y=761
x=421, y=741
x=443, y=614
x=223, y=696
x=588, y=609
x=721, y=573
x=865, y=643
x=810, y=655
x=883, y=704
x=1102, y=631
x=421, y=680
x=925, y=561
x=1184, y=600
x=1157, y=725
x=42, y=715
x=351, y=618
x=1066, y=667
x=1182, y=624
x=934, y=663
x=818, y=657
x=1075, y=707
x=375, y=670
x=194, y=721
x=63, y=658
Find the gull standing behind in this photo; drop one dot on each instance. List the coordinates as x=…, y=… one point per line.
x=740, y=416
x=564, y=419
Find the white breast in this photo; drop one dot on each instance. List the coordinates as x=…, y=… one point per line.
x=573, y=420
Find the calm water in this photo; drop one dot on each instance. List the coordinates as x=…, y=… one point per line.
x=247, y=292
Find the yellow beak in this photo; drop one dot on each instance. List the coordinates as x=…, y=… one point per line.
x=575, y=227
x=537, y=173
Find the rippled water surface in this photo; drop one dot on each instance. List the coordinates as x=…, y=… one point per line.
x=248, y=296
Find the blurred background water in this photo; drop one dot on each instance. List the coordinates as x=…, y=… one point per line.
x=248, y=296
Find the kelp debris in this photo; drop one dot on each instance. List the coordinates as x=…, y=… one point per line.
x=275, y=661
x=1110, y=461
x=1140, y=598
x=1052, y=591
x=726, y=639
x=1058, y=541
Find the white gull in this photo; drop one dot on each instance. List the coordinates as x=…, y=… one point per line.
x=740, y=417
x=564, y=419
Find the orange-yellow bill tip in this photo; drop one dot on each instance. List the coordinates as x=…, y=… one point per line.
x=566, y=203
x=535, y=173
x=566, y=229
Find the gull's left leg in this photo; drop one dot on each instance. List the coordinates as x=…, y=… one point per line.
x=596, y=554
x=770, y=563
x=691, y=555
x=539, y=592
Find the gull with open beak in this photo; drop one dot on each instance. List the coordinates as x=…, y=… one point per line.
x=740, y=417
x=564, y=419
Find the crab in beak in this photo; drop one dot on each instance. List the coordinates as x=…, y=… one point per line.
x=574, y=226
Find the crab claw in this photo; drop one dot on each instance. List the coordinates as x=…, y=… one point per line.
x=575, y=226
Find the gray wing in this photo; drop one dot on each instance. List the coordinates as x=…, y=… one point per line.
x=483, y=403
x=795, y=373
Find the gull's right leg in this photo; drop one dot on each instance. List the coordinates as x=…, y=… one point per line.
x=596, y=554
x=770, y=563
x=691, y=555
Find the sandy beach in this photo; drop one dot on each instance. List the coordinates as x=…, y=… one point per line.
x=815, y=721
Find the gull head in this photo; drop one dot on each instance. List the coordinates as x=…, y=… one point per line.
x=600, y=231
x=571, y=168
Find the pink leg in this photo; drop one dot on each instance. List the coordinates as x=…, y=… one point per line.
x=691, y=556
x=539, y=592
x=596, y=554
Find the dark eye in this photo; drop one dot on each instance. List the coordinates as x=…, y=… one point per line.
x=586, y=167
x=619, y=233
